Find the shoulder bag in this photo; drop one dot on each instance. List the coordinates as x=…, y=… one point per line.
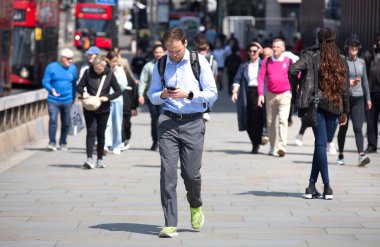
x=92, y=103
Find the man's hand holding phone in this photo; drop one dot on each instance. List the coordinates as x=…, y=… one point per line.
x=167, y=92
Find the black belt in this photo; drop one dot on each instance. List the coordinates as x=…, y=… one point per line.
x=183, y=116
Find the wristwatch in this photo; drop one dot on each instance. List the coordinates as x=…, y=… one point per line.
x=191, y=95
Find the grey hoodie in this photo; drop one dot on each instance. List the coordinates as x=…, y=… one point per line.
x=357, y=69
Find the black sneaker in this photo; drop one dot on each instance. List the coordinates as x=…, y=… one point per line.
x=311, y=193
x=327, y=193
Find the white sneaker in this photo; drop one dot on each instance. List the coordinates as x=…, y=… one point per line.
x=100, y=164
x=51, y=148
x=63, y=148
x=298, y=140
x=340, y=162
x=89, y=164
x=206, y=117
x=116, y=151
x=273, y=152
x=331, y=148
x=125, y=146
x=363, y=160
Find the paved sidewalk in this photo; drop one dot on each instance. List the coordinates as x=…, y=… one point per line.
x=48, y=200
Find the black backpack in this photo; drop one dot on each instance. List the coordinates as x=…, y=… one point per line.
x=195, y=67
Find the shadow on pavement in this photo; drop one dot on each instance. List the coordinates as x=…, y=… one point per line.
x=148, y=166
x=67, y=166
x=130, y=227
x=226, y=151
x=271, y=193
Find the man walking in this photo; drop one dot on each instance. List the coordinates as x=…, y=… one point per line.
x=181, y=127
x=278, y=96
x=60, y=82
x=145, y=79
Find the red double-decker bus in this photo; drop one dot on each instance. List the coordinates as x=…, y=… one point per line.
x=95, y=24
x=6, y=17
x=35, y=39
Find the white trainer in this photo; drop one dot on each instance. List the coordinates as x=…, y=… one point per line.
x=331, y=148
x=298, y=140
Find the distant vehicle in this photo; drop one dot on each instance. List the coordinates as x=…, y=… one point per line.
x=95, y=24
x=128, y=25
x=35, y=39
x=6, y=34
x=188, y=21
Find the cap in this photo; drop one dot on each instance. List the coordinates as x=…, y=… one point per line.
x=66, y=52
x=352, y=41
x=93, y=50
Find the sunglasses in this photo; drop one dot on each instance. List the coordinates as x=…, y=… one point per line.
x=253, y=51
x=69, y=58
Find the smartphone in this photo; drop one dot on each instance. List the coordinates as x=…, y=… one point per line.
x=171, y=88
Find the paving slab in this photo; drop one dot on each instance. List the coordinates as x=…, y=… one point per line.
x=48, y=200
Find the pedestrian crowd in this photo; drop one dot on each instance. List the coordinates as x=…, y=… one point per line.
x=179, y=86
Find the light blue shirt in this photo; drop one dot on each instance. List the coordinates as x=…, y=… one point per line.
x=180, y=75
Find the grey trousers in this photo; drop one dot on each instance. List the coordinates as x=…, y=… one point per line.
x=180, y=140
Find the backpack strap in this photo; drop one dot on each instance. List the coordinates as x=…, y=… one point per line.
x=161, y=64
x=195, y=66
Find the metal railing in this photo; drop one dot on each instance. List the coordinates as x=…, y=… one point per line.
x=22, y=108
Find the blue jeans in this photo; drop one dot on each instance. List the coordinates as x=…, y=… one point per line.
x=64, y=110
x=327, y=123
x=114, y=124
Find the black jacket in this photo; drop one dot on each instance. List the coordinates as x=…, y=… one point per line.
x=91, y=80
x=305, y=91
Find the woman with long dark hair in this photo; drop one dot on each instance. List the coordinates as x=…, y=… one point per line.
x=322, y=61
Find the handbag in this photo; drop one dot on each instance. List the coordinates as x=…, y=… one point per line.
x=92, y=103
x=308, y=115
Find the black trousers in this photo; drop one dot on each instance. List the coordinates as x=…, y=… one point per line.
x=372, y=121
x=255, y=117
x=357, y=116
x=96, y=124
x=126, y=128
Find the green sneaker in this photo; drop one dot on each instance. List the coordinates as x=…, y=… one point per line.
x=168, y=232
x=197, y=218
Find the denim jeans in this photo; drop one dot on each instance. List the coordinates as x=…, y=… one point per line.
x=64, y=110
x=114, y=125
x=327, y=123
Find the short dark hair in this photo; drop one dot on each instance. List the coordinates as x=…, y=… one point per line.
x=201, y=42
x=158, y=46
x=173, y=34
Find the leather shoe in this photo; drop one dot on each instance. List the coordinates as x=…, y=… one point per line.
x=154, y=146
x=255, y=149
x=370, y=150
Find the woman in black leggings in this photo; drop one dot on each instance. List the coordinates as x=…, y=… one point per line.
x=359, y=93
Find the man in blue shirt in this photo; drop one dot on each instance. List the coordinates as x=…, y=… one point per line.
x=60, y=82
x=181, y=127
